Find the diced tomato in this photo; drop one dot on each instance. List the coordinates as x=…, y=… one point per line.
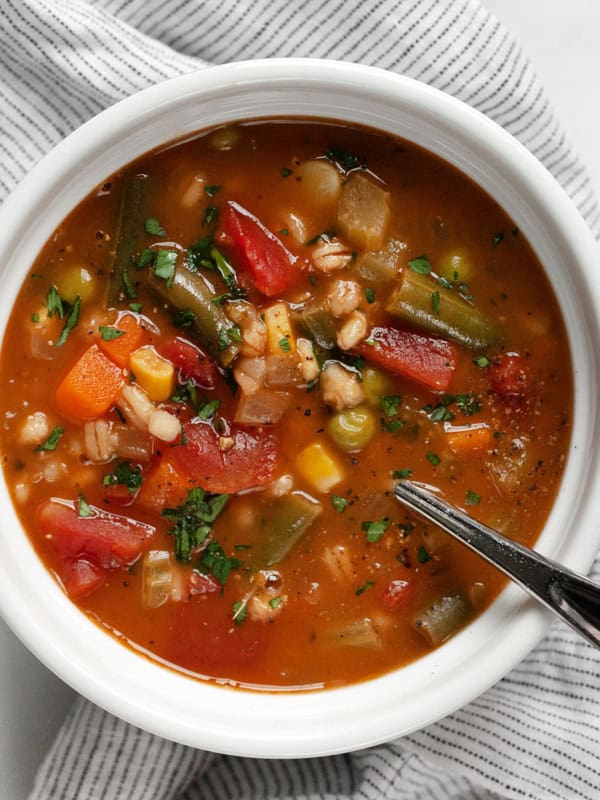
x=118, y=494
x=104, y=539
x=201, y=584
x=397, y=595
x=163, y=486
x=259, y=252
x=510, y=376
x=211, y=647
x=192, y=362
x=225, y=468
x=81, y=578
x=421, y=358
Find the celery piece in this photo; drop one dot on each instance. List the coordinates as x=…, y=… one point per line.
x=380, y=266
x=442, y=618
x=426, y=304
x=282, y=525
x=359, y=633
x=129, y=235
x=320, y=326
x=191, y=292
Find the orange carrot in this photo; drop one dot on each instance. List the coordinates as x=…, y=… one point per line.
x=468, y=438
x=129, y=336
x=90, y=388
x=163, y=487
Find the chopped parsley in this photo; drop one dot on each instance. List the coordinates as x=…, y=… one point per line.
x=473, y=499
x=83, y=507
x=344, y=158
x=50, y=444
x=375, y=530
x=164, y=265
x=54, y=303
x=420, y=265
x=286, y=172
x=468, y=404
x=70, y=322
x=147, y=257
x=210, y=215
x=204, y=255
x=370, y=295
x=422, y=555
x=211, y=189
x=208, y=410
x=108, y=333
x=496, y=239
x=435, y=302
x=364, y=587
x=401, y=474
x=193, y=523
x=125, y=475
x=433, y=459
x=482, y=361
x=214, y=560
x=240, y=611
x=389, y=405
x=35, y=317
x=275, y=602
x=285, y=345
x=136, y=307
x=153, y=227
x=184, y=318
x=339, y=503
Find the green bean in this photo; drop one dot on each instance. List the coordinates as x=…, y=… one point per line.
x=437, y=309
x=442, y=618
x=286, y=520
x=130, y=230
x=191, y=292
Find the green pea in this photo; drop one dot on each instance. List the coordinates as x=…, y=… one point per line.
x=456, y=266
x=375, y=384
x=353, y=428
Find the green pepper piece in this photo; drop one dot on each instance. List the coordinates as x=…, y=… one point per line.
x=282, y=525
x=320, y=326
x=442, y=618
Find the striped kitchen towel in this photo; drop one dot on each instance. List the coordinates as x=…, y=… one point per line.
x=536, y=733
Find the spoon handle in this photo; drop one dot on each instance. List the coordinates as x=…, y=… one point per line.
x=572, y=597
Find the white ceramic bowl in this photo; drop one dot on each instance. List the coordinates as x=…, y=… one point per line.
x=314, y=723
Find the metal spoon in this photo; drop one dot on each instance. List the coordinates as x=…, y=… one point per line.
x=573, y=598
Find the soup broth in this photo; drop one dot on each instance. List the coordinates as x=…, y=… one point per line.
x=223, y=361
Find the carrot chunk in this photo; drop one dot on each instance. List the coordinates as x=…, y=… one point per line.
x=90, y=388
x=126, y=335
x=468, y=438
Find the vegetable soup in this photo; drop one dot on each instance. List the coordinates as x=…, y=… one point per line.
x=223, y=361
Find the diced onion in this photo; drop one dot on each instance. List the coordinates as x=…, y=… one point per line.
x=157, y=578
x=262, y=408
x=283, y=370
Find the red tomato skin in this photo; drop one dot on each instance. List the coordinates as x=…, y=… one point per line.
x=259, y=252
x=200, y=584
x=250, y=462
x=397, y=595
x=424, y=359
x=191, y=362
x=105, y=539
x=80, y=578
x=510, y=376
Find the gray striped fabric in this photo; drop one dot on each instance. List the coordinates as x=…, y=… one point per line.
x=535, y=734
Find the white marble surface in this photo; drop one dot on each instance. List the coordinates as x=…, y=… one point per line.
x=562, y=42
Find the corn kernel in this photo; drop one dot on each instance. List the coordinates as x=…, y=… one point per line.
x=280, y=338
x=317, y=466
x=153, y=373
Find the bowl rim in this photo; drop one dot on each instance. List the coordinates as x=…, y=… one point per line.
x=281, y=724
